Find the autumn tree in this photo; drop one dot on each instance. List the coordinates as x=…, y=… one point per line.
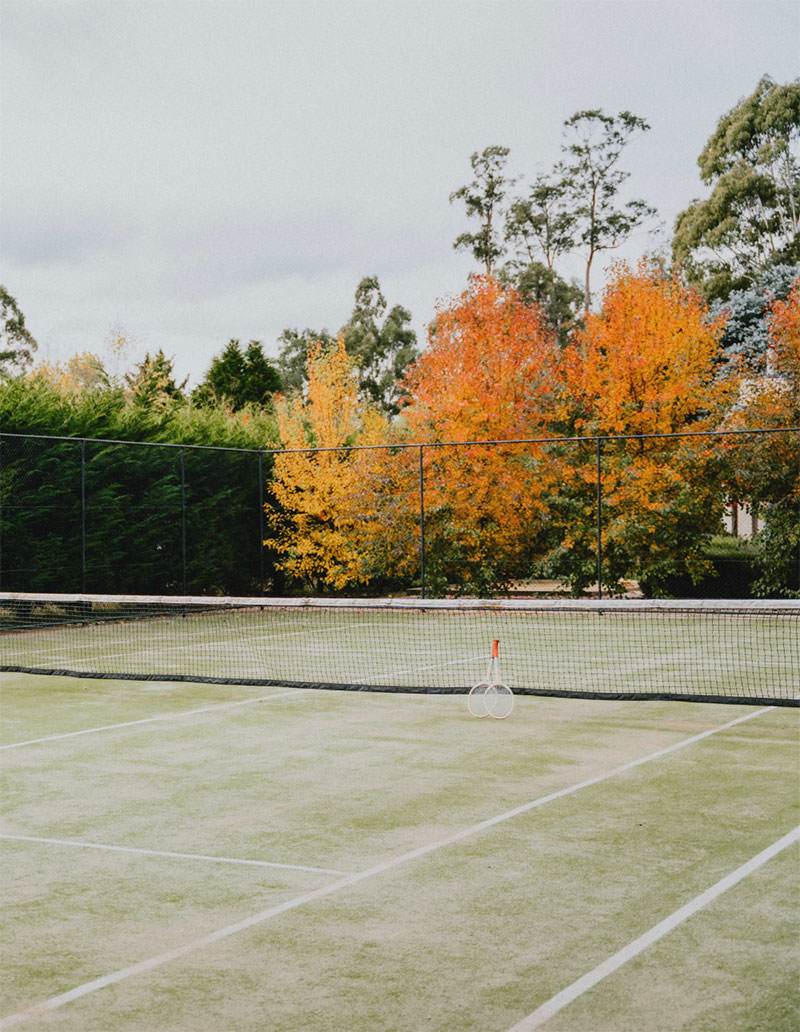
x=152, y=383
x=764, y=469
x=644, y=365
x=485, y=375
x=325, y=512
x=80, y=374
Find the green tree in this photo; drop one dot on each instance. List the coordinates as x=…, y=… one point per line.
x=539, y=285
x=591, y=180
x=132, y=493
x=381, y=343
x=240, y=378
x=152, y=383
x=483, y=198
x=383, y=349
x=294, y=347
x=745, y=336
x=17, y=343
x=542, y=224
x=751, y=218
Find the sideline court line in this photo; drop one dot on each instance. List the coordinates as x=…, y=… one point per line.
x=168, y=855
x=150, y=720
x=633, y=949
x=47, y=1006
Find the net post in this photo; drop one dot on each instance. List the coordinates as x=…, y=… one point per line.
x=599, y=520
x=421, y=524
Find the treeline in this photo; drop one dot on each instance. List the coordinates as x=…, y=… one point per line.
x=644, y=396
x=703, y=340
x=82, y=396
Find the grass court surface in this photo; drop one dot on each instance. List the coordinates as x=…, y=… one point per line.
x=188, y=857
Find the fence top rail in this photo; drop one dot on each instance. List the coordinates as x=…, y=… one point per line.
x=589, y=438
x=137, y=444
x=639, y=605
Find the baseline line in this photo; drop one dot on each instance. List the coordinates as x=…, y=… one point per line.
x=150, y=720
x=46, y=1006
x=633, y=949
x=165, y=853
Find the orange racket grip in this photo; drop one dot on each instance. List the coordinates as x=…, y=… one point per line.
x=495, y=648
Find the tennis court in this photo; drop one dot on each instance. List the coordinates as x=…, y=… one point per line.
x=188, y=856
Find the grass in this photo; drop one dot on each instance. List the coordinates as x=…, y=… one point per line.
x=472, y=935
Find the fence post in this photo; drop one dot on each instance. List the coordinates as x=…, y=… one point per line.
x=599, y=523
x=183, y=519
x=261, y=518
x=83, y=516
x=1, y=512
x=421, y=525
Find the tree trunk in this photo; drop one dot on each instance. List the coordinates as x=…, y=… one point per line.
x=587, y=294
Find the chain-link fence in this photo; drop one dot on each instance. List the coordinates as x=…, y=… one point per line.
x=682, y=515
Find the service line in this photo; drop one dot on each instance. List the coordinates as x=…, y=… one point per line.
x=150, y=720
x=169, y=855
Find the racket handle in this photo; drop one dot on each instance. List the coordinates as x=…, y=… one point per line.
x=495, y=648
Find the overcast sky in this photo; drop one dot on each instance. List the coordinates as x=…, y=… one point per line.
x=193, y=171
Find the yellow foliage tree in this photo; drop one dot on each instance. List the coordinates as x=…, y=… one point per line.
x=327, y=524
x=81, y=372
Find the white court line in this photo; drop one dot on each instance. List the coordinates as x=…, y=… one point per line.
x=633, y=949
x=179, y=856
x=150, y=720
x=151, y=963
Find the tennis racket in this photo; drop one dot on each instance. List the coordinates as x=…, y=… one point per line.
x=491, y=698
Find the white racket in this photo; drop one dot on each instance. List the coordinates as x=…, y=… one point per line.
x=491, y=698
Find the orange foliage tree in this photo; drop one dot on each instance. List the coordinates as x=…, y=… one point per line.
x=646, y=364
x=764, y=469
x=329, y=524
x=486, y=374
x=784, y=358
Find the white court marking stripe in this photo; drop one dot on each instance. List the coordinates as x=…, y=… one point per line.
x=264, y=915
x=579, y=987
x=150, y=720
x=179, y=856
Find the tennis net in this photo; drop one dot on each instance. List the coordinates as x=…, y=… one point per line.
x=705, y=650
